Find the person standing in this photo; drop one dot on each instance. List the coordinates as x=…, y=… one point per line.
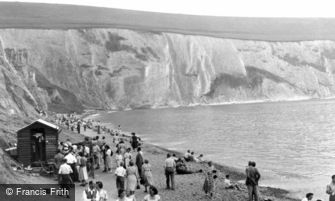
x=58, y=159
x=83, y=175
x=78, y=127
x=127, y=157
x=169, y=167
x=64, y=172
x=109, y=154
x=134, y=141
x=96, y=154
x=72, y=160
x=120, y=174
x=252, y=179
x=331, y=189
x=132, y=178
x=147, y=175
x=139, y=161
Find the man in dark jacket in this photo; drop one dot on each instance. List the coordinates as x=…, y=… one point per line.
x=134, y=141
x=253, y=177
x=139, y=161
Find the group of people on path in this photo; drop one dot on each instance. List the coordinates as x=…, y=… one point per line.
x=77, y=162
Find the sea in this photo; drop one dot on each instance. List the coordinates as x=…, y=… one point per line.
x=293, y=143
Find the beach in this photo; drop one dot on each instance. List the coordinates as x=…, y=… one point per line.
x=188, y=187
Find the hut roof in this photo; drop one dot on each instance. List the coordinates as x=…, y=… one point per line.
x=41, y=121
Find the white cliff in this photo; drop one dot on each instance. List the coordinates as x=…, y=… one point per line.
x=64, y=70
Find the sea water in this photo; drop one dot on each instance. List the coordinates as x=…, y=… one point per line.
x=293, y=143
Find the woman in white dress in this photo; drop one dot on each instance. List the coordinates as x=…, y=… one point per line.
x=83, y=176
x=109, y=154
x=127, y=158
x=118, y=158
x=153, y=195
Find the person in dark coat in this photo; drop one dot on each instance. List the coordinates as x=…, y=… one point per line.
x=134, y=141
x=139, y=161
x=253, y=177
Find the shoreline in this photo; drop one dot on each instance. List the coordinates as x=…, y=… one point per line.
x=301, y=99
x=237, y=175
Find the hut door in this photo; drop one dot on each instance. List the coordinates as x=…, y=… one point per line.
x=38, y=145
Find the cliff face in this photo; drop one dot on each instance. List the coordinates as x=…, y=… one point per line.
x=68, y=70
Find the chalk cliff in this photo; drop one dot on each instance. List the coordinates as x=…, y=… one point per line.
x=68, y=70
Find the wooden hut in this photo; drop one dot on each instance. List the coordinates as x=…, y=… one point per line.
x=37, y=142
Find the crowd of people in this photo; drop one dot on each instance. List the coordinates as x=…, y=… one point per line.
x=77, y=163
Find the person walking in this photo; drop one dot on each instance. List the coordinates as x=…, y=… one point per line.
x=147, y=175
x=132, y=178
x=170, y=166
x=252, y=179
x=331, y=189
x=120, y=174
x=139, y=161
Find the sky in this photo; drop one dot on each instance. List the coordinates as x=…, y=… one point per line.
x=235, y=8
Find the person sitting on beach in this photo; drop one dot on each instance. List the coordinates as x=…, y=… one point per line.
x=174, y=157
x=229, y=185
x=91, y=193
x=181, y=168
x=210, y=166
x=192, y=157
x=309, y=197
x=187, y=156
x=153, y=195
x=200, y=159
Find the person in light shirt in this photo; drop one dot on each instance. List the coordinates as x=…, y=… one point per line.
x=91, y=193
x=72, y=161
x=64, y=175
x=169, y=166
x=120, y=174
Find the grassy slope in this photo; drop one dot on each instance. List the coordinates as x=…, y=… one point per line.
x=47, y=16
